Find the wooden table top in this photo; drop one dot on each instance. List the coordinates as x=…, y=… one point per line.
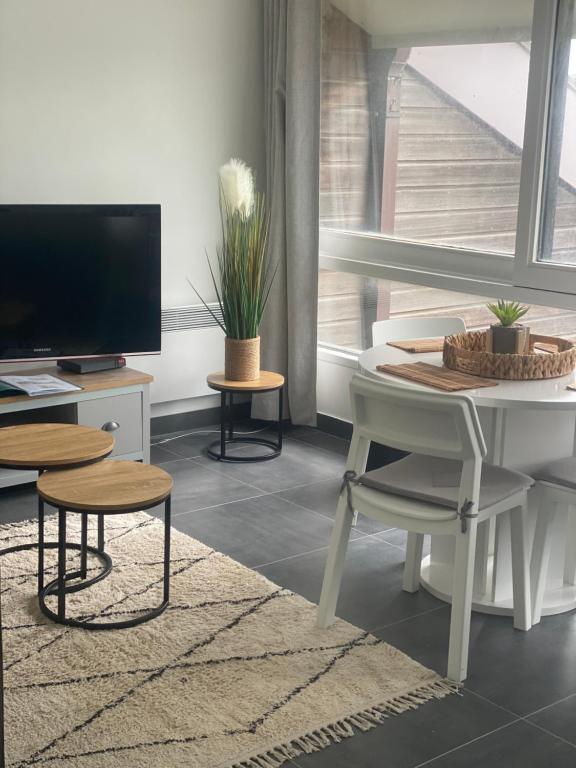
x=90, y=382
x=45, y=446
x=267, y=381
x=539, y=395
x=109, y=486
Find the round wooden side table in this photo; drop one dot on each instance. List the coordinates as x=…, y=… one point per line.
x=267, y=382
x=107, y=488
x=43, y=447
x=52, y=446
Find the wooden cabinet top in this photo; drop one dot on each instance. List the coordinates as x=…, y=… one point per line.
x=90, y=382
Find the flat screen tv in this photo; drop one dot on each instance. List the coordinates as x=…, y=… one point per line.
x=79, y=281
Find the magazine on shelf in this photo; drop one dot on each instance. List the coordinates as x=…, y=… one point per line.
x=43, y=384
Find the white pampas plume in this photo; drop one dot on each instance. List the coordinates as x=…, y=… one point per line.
x=237, y=185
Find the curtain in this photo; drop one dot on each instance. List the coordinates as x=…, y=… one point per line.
x=292, y=41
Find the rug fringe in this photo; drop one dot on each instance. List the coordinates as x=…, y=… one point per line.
x=344, y=728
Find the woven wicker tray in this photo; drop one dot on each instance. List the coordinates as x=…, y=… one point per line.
x=549, y=358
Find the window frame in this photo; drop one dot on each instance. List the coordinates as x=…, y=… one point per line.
x=518, y=276
x=528, y=271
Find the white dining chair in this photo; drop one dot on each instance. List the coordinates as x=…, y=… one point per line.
x=400, y=328
x=442, y=488
x=556, y=492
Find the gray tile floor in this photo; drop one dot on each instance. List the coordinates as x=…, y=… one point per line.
x=518, y=707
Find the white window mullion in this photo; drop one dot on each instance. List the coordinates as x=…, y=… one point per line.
x=535, y=130
x=481, y=274
x=416, y=256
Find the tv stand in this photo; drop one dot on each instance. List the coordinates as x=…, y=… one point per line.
x=116, y=400
x=91, y=364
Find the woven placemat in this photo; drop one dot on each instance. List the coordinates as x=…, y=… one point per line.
x=418, y=345
x=437, y=377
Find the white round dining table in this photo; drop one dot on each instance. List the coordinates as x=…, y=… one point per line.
x=526, y=425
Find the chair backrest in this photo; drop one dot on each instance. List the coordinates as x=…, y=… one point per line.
x=401, y=328
x=418, y=421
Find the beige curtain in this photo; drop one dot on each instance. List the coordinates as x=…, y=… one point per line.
x=292, y=41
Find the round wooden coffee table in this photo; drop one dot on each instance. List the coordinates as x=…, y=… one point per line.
x=107, y=488
x=43, y=447
x=52, y=446
x=267, y=382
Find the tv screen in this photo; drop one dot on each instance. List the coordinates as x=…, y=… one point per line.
x=79, y=280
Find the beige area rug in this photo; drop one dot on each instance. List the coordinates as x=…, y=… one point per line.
x=234, y=673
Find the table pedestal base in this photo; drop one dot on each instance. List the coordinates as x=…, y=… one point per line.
x=215, y=450
x=558, y=597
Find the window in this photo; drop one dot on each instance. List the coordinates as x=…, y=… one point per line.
x=558, y=234
x=349, y=304
x=422, y=139
x=447, y=152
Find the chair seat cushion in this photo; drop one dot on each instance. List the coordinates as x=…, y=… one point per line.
x=437, y=481
x=560, y=472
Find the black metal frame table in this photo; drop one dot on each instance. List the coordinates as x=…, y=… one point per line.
x=267, y=382
x=43, y=460
x=58, y=585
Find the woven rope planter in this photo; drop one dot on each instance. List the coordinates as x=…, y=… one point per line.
x=242, y=359
x=466, y=352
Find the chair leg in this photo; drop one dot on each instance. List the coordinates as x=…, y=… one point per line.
x=335, y=564
x=541, y=556
x=413, y=563
x=520, y=569
x=461, y=605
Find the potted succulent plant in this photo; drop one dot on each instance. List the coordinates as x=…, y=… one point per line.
x=508, y=336
x=244, y=276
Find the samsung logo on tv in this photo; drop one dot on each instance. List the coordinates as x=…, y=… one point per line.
x=42, y=349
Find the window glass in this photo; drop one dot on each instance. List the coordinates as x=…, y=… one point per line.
x=558, y=235
x=349, y=304
x=422, y=119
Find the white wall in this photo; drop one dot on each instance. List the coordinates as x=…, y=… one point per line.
x=134, y=101
x=335, y=371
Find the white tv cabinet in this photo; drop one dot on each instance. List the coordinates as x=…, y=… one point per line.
x=121, y=396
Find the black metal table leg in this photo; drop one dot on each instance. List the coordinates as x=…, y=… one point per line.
x=101, y=533
x=217, y=450
x=54, y=586
x=167, y=516
x=83, y=545
x=230, y=417
x=223, y=425
x=61, y=564
x=280, y=414
x=40, y=544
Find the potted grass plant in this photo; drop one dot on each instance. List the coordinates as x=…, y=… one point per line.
x=508, y=336
x=244, y=273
